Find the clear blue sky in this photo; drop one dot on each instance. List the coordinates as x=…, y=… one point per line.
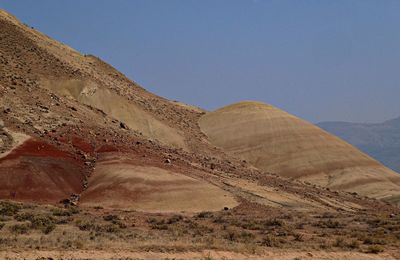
x=321, y=60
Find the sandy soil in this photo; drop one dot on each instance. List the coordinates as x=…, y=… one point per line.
x=271, y=255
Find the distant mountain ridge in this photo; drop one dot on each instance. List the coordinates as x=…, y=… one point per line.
x=380, y=140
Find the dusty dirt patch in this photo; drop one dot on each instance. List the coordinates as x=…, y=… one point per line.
x=273, y=254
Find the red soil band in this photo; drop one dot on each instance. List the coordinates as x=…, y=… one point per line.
x=36, y=148
x=107, y=149
x=39, y=172
x=82, y=145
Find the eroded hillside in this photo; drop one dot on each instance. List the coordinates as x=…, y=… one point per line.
x=76, y=131
x=278, y=142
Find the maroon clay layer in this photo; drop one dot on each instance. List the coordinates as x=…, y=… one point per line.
x=39, y=172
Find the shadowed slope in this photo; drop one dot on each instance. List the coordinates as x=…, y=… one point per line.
x=278, y=142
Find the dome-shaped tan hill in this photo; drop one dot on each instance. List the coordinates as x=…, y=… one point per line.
x=278, y=142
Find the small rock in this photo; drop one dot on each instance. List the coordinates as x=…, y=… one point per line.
x=168, y=161
x=123, y=125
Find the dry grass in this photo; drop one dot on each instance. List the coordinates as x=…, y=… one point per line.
x=237, y=230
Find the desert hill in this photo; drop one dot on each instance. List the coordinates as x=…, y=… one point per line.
x=380, y=141
x=278, y=142
x=61, y=110
x=64, y=115
x=90, y=160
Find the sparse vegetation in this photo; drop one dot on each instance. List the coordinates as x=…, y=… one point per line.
x=205, y=230
x=329, y=224
x=40, y=222
x=59, y=212
x=20, y=228
x=298, y=237
x=375, y=249
x=90, y=226
x=9, y=208
x=205, y=214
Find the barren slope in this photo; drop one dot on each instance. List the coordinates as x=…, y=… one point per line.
x=278, y=142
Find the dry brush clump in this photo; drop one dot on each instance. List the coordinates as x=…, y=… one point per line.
x=9, y=208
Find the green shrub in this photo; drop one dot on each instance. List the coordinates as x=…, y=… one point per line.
x=375, y=249
x=270, y=241
x=328, y=224
x=231, y=235
x=273, y=223
x=374, y=241
x=9, y=208
x=205, y=214
x=20, y=228
x=111, y=218
x=25, y=216
x=108, y=228
x=353, y=244
x=61, y=212
x=174, y=219
x=339, y=242
x=73, y=210
x=159, y=226
x=46, y=224
x=89, y=226
x=85, y=225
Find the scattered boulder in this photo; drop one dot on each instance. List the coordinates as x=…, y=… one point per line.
x=123, y=125
x=72, y=200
